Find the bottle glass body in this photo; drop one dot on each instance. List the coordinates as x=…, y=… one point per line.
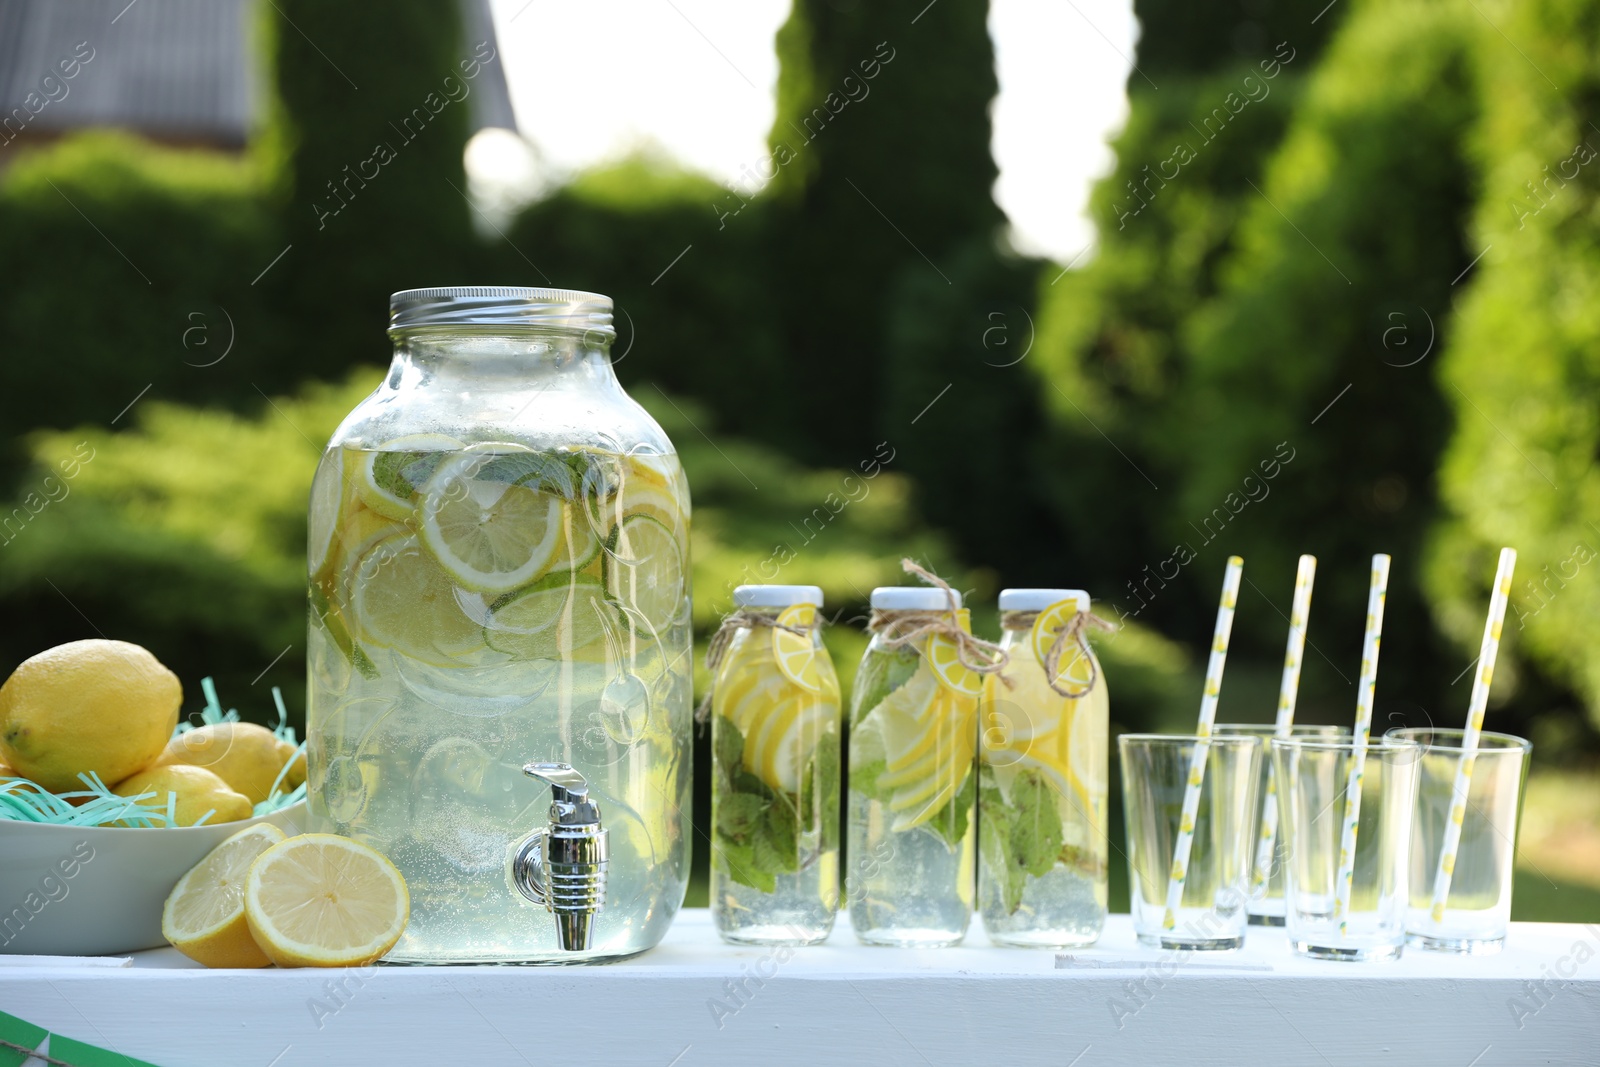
x=1042, y=831
x=498, y=575
x=912, y=786
x=775, y=789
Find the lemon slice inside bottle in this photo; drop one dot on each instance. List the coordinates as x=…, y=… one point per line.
x=797, y=654
x=1074, y=672
x=491, y=535
x=928, y=732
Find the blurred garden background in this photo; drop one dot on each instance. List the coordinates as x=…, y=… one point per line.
x=1344, y=298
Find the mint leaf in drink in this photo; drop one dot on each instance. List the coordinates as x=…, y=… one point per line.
x=740, y=815
x=994, y=847
x=950, y=822
x=729, y=745
x=879, y=676
x=777, y=848
x=1036, y=836
x=739, y=860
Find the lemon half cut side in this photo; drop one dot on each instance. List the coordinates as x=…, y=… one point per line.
x=320, y=900
x=204, y=914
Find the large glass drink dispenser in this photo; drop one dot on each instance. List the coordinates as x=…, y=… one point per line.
x=499, y=634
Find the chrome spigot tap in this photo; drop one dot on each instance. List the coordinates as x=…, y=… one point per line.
x=563, y=865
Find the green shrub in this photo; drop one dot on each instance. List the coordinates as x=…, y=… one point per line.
x=1521, y=370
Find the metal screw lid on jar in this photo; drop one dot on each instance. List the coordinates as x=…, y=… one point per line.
x=776, y=596
x=1039, y=599
x=501, y=305
x=911, y=598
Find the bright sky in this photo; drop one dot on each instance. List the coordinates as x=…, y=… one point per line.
x=695, y=78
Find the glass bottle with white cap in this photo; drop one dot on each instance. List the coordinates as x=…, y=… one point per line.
x=1042, y=776
x=912, y=782
x=775, y=791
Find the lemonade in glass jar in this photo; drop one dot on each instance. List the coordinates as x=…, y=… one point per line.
x=498, y=570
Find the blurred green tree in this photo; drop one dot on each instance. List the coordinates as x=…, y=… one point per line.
x=1335, y=296
x=1522, y=366
x=365, y=156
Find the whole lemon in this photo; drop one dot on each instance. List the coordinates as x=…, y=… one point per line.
x=244, y=755
x=296, y=758
x=198, y=791
x=102, y=706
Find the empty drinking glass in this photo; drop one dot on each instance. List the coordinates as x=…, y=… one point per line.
x=1266, y=872
x=1216, y=886
x=1314, y=783
x=1477, y=908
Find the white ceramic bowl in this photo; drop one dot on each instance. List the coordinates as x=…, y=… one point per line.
x=98, y=890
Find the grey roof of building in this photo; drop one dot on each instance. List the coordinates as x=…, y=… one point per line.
x=174, y=68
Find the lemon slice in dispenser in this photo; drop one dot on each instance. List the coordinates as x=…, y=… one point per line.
x=490, y=535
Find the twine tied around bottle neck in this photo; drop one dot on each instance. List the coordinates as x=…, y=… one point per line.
x=1074, y=632
x=897, y=628
x=732, y=623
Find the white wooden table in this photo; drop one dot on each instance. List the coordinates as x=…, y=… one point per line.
x=697, y=1001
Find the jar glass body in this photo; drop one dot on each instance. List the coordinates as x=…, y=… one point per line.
x=775, y=790
x=499, y=575
x=911, y=809
x=1042, y=803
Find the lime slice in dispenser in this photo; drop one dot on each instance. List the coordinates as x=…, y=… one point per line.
x=797, y=654
x=645, y=572
x=491, y=535
x=388, y=479
x=323, y=514
x=550, y=619
x=403, y=601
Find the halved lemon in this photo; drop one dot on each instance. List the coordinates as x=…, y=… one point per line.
x=645, y=572
x=320, y=900
x=491, y=535
x=204, y=914
x=797, y=654
x=1074, y=672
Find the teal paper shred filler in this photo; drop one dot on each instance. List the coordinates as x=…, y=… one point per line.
x=22, y=801
x=18, y=1038
x=66, y=1050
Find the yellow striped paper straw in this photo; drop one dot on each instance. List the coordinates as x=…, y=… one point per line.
x=1288, y=693
x=1365, y=689
x=1487, y=653
x=1208, y=716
